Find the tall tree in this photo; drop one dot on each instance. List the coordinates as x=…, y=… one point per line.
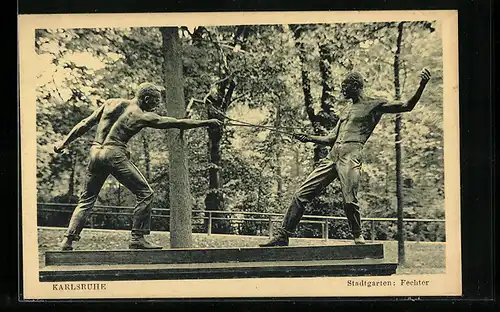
x=306, y=85
x=278, y=152
x=217, y=101
x=325, y=119
x=180, y=206
x=397, y=129
x=147, y=156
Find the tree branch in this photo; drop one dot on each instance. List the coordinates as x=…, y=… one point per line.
x=228, y=95
x=240, y=96
x=57, y=88
x=140, y=45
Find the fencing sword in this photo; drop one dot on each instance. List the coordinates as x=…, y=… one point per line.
x=238, y=123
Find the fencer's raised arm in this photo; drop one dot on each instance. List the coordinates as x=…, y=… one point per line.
x=401, y=107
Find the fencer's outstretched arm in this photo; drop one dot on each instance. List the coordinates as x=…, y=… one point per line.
x=401, y=107
x=153, y=120
x=80, y=129
x=322, y=140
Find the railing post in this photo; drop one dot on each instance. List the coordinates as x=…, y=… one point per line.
x=373, y=230
x=327, y=233
x=209, y=230
x=417, y=231
x=270, y=226
x=92, y=221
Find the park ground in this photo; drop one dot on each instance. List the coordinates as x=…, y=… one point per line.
x=421, y=257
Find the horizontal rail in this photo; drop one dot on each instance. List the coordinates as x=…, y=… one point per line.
x=95, y=212
x=235, y=217
x=214, y=212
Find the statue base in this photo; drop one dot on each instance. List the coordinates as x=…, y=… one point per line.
x=196, y=263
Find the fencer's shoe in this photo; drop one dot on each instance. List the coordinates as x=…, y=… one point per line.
x=139, y=242
x=66, y=245
x=359, y=240
x=281, y=238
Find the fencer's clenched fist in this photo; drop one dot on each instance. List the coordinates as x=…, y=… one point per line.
x=425, y=76
x=59, y=147
x=301, y=137
x=215, y=123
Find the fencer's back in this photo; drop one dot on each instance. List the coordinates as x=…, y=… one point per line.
x=118, y=123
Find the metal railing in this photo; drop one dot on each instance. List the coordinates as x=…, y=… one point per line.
x=268, y=217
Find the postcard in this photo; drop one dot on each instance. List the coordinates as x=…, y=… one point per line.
x=240, y=155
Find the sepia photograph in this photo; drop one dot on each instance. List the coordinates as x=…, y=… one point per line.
x=240, y=155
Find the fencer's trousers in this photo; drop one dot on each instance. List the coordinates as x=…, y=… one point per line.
x=112, y=160
x=344, y=163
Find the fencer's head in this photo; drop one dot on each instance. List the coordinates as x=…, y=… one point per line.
x=352, y=85
x=148, y=96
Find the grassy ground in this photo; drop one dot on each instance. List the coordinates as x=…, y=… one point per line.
x=421, y=258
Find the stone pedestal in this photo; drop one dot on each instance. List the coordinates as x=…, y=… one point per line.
x=195, y=263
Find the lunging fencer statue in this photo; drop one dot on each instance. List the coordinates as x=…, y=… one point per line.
x=344, y=160
x=118, y=120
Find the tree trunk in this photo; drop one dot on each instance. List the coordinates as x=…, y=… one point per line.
x=147, y=157
x=279, y=179
x=387, y=181
x=306, y=82
x=220, y=101
x=278, y=147
x=397, y=128
x=179, y=193
x=296, y=163
x=306, y=88
x=213, y=200
x=326, y=57
x=71, y=187
x=326, y=118
x=119, y=194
